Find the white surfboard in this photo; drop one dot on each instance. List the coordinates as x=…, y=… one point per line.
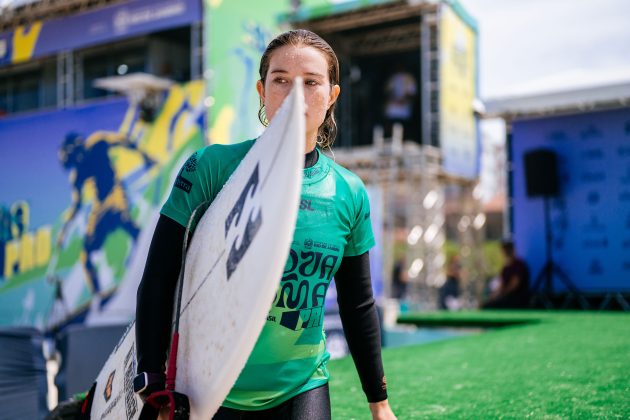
x=233, y=268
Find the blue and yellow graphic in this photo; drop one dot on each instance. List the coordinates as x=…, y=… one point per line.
x=82, y=187
x=91, y=168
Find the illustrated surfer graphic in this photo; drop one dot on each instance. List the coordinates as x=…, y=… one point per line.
x=90, y=166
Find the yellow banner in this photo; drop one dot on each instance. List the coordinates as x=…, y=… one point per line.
x=458, y=130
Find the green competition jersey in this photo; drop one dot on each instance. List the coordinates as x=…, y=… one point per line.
x=333, y=221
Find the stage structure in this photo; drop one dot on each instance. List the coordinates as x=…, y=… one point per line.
x=428, y=51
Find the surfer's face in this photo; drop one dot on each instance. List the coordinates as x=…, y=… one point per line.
x=287, y=63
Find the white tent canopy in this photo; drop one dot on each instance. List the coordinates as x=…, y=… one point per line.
x=602, y=96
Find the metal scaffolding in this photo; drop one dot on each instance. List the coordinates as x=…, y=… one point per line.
x=413, y=185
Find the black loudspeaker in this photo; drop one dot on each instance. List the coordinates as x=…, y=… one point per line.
x=541, y=173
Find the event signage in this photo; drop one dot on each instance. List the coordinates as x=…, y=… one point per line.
x=590, y=218
x=95, y=27
x=81, y=189
x=458, y=82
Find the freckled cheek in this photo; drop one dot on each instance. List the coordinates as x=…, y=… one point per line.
x=273, y=101
x=317, y=105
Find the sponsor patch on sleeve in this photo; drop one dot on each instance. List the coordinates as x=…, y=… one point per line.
x=191, y=163
x=183, y=184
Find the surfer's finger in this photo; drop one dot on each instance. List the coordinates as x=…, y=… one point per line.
x=164, y=412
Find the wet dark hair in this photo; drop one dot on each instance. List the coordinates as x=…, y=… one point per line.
x=302, y=37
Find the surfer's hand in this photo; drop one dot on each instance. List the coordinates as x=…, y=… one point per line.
x=382, y=411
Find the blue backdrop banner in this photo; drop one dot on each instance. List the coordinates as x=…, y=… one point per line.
x=590, y=218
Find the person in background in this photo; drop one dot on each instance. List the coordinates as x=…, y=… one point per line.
x=400, y=90
x=449, y=292
x=513, y=290
x=399, y=279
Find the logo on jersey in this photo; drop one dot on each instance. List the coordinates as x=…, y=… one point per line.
x=302, y=300
x=311, y=172
x=306, y=205
x=243, y=222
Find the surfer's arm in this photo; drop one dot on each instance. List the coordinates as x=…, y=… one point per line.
x=360, y=323
x=156, y=294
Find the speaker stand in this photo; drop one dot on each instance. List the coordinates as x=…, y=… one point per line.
x=543, y=285
x=617, y=297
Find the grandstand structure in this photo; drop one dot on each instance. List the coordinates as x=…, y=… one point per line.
x=25, y=12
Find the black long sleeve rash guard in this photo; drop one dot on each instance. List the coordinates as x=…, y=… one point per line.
x=155, y=302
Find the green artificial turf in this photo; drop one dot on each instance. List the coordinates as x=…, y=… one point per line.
x=557, y=365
